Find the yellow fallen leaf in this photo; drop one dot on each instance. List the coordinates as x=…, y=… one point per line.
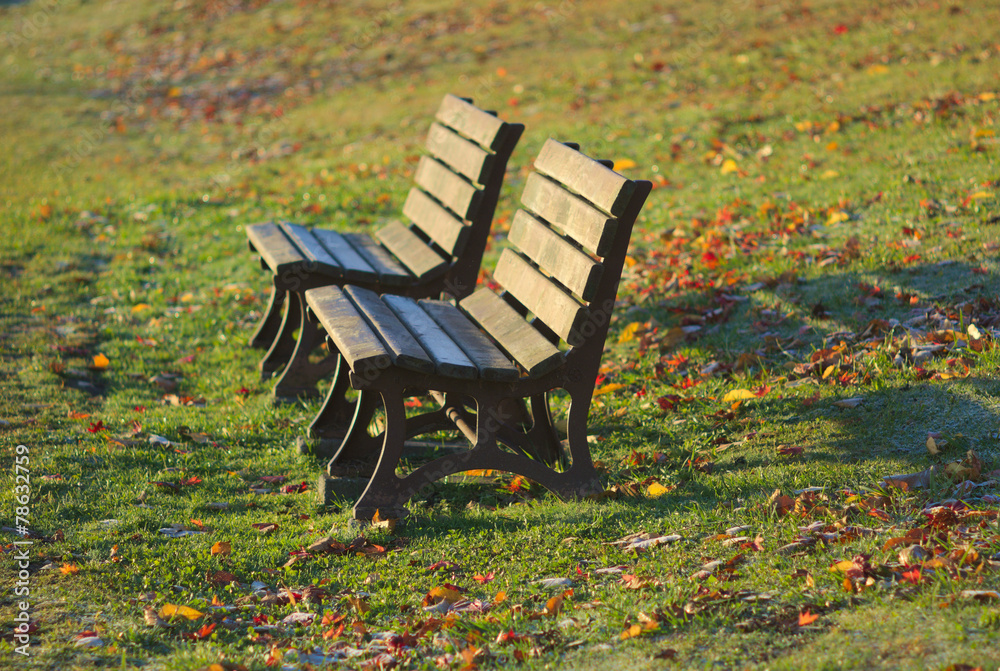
x=728, y=166
x=877, y=69
x=837, y=217
x=446, y=594
x=170, y=610
x=608, y=388
x=139, y=307
x=360, y=605
x=656, y=490
x=500, y=597
x=738, y=395
x=842, y=566
x=980, y=194
x=101, y=362
x=624, y=164
x=174, y=92
x=830, y=174
x=223, y=548
x=628, y=333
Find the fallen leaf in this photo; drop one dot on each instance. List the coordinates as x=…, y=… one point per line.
x=223, y=548
x=738, y=395
x=170, y=611
x=849, y=402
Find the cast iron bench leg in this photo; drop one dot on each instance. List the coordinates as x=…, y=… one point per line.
x=269, y=325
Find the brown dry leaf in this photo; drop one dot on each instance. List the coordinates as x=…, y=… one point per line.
x=265, y=527
x=224, y=548
x=153, y=619
x=359, y=604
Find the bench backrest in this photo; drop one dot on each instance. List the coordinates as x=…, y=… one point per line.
x=568, y=246
x=450, y=209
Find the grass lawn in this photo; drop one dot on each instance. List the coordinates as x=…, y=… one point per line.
x=811, y=305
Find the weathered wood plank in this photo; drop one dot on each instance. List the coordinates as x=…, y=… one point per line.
x=405, y=350
x=491, y=362
x=422, y=261
x=482, y=127
x=556, y=308
x=315, y=254
x=464, y=156
x=449, y=359
x=274, y=247
x=440, y=225
x=349, y=330
x=581, y=174
x=454, y=192
x=354, y=266
x=517, y=337
x=555, y=255
x=586, y=224
x=390, y=271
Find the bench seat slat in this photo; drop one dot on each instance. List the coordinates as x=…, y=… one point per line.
x=464, y=156
x=590, y=227
x=491, y=362
x=355, y=268
x=555, y=255
x=364, y=351
x=556, y=308
x=405, y=350
x=458, y=195
x=312, y=249
x=517, y=337
x=274, y=247
x=422, y=261
x=604, y=187
x=449, y=359
x=440, y=225
x=477, y=125
x=390, y=272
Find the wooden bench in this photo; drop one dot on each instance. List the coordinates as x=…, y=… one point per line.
x=437, y=247
x=545, y=331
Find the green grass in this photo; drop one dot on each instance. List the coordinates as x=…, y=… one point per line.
x=826, y=176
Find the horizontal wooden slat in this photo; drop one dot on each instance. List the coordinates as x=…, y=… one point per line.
x=491, y=362
x=517, y=337
x=556, y=308
x=390, y=272
x=440, y=225
x=482, y=127
x=573, y=215
x=274, y=247
x=448, y=358
x=313, y=251
x=349, y=331
x=464, y=156
x=406, y=351
x=454, y=192
x=602, y=186
x=422, y=261
x=555, y=255
x=355, y=268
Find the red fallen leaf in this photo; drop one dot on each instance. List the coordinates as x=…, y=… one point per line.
x=789, y=450
x=193, y=480
x=762, y=390
x=913, y=575
x=840, y=29
x=188, y=359
x=243, y=391
x=805, y=618
x=508, y=637
x=443, y=564
x=139, y=408
x=483, y=579
x=97, y=427
x=668, y=402
x=295, y=489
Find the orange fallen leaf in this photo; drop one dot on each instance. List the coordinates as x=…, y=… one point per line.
x=224, y=548
x=805, y=617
